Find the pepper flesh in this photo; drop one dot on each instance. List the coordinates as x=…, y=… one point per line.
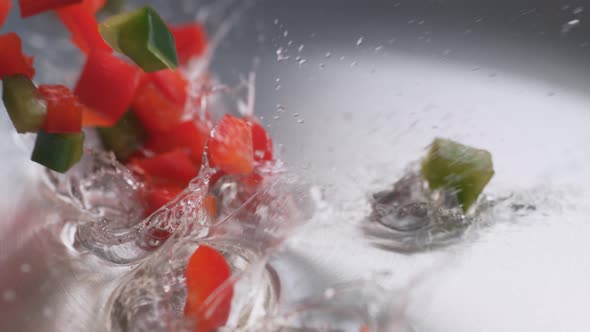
x=124, y=138
x=155, y=112
x=173, y=167
x=459, y=168
x=12, y=59
x=261, y=142
x=58, y=152
x=24, y=104
x=189, y=135
x=80, y=21
x=5, y=7
x=191, y=41
x=205, y=273
x=64, y=111
x=107, y=85
x=230, y=146
x=34, y=7
x=143, y=36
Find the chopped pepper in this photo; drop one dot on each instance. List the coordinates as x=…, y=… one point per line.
x=124, y=138
x=173, y=167
x=205, y=273
x=107, y=85
x=159, y=195
x=155, y=111
x=34, y=7
x=64, y=111
x=12, y=59
x=58, y=152
x=143, y=36
x=24, y=104
x=80, y=21
x=230, y=147
x=190, y=40
x=172, y=84
x=5, y=7
x=261, y=142
x=95, y=5
x=459, y=168
x=189, y=135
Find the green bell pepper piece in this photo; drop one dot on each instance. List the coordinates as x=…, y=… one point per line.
x=24, y=104
x=454, y=166
x=124, y=138
x=58, y=152
x=143, y=36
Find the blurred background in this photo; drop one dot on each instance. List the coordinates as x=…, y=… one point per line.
x=353, y=92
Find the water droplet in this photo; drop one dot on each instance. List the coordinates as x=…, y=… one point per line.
x=567, y=27
x=276, y=117
x=578, y=10
x=378, y=48
x=8, y=295
x=277, y=80
x=359, y=41
x=322, y=66
x=297, y=58
x=281, y=54
x=295, y=115
x=302, y=62
x=312, y=35
x=353, y=64
x=478, y=19
x=25, y=268
x=276, y=21
x=446, y=52
x=342, y=58
x=421, y=22
x=328, y=54
x=285, y=33
x=329, y=293
x=300, y=121
x=280, y=108
x=300, y=48
x=290, y=43
x=278, y=87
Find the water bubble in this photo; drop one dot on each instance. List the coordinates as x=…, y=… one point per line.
x=25, y=268
x=567, y=27
x=359, y=41
x=9, y=295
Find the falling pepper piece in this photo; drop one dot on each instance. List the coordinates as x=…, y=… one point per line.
x=124, y=138
x=64, y=111
x=34, y=7
x=58, y=152
x=230, y=146
x=80, y=21
x=24, y=104
x=207, y=271
x=143, y=36
x=12, y=59
x=191, y=41
x=5, y=7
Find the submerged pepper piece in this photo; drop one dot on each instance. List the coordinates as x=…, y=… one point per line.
x=34, y=7
x=58, y=152
x=12, y=59
x=459, y=168
x=24, y=104
x=206, y=272
x=143, y=36
x=124, y=138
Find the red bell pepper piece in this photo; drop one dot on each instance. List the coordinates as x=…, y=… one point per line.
x=80, y=21
x=155, y=111
x=173, y=167
x=190, y=40
x=230, y=146
x=12, y=59
x=107, y=85
x=95, y=5
x=205, y=272
x=5, y=7
x=158, y=195
x=172, y=84
x=261, y=142
x=34, y=7
x=64, y=111
x=188, y=135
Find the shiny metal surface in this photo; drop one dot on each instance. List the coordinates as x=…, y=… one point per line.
x=365, y=88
